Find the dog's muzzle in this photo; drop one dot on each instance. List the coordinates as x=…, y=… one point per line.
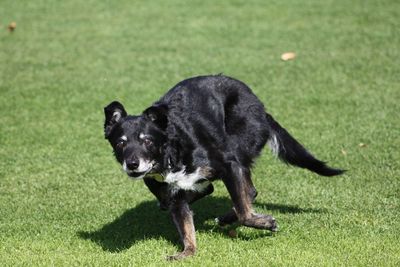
x=137, y=169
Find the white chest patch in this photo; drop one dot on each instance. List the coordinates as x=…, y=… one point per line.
x=187, y=181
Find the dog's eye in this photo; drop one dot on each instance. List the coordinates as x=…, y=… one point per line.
x=147, y=142
x=121, y=143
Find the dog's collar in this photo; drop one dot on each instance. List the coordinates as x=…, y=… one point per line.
x=158, y=177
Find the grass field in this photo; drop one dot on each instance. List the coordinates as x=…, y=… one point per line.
x=64, y=200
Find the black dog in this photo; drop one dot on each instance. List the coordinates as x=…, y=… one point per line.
x=205, y=128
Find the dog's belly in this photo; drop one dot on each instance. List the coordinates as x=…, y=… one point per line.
x=195, y=181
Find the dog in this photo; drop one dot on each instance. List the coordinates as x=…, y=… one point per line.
x=203, y=129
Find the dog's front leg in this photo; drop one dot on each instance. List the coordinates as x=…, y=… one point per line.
x=160, y=190
x=183, y=220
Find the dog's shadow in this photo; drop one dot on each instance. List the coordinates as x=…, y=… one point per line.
x=146, y=221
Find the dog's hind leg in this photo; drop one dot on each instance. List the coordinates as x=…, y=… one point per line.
x=231, y=217
x=240, y=188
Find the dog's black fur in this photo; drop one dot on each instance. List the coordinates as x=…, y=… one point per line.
x=204, y=128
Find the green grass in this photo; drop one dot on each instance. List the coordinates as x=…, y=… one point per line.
x=64, y=200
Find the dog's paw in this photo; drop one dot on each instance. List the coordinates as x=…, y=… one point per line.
x=262, y=221
x=227, y=219
x=272, y=225
x=181, y=255
x=220, y=222
x=269, y=222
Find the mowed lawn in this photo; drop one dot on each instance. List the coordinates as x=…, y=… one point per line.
x=64, y=200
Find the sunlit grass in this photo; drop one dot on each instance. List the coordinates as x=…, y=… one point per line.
x=64, y=200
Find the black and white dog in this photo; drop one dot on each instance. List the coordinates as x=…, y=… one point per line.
x=205, y=128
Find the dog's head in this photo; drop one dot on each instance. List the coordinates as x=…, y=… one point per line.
x=137, y=140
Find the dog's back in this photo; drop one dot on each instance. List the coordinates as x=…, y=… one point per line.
x=222, y=118
x=220, y=114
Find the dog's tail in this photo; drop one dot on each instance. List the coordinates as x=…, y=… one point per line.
x=290, y=151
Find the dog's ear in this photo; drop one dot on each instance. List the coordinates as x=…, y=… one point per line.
x=114, y=112
x=157, y=114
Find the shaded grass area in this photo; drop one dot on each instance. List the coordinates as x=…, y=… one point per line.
x=126, y=230
x=63, y=200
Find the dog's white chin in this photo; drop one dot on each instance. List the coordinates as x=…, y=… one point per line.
x=144, y=168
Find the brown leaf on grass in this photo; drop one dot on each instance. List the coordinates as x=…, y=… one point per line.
x=12, y=26
x=344, y=152
x=288, y=56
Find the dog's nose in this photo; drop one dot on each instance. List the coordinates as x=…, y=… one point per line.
x=133, y=164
